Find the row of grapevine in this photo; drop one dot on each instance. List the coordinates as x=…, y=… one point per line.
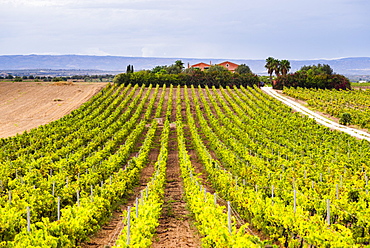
x=71, y=192
x=217, y=227
x=268, y=175
x=142, y=220
x=335, y=103
x=82, y=219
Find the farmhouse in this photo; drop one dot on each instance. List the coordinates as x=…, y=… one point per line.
x=202, y=66
x=227, y=64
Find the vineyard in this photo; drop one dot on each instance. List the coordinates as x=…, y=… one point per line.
x=268, y=176
x=336, y=103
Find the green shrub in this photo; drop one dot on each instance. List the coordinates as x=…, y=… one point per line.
x=306, y=80
x=345, y=119
x=196, y=78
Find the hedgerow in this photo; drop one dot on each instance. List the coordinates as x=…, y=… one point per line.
x=196, y=78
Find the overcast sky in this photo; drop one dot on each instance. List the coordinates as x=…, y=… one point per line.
x=230, y=29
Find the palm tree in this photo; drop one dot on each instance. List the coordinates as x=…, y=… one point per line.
x=270, y=66
x=285, y=66
x=276, y=67
x=179, y=64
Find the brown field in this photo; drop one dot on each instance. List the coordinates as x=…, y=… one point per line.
x=26, y=105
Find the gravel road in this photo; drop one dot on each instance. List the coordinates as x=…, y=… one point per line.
x=319, y=119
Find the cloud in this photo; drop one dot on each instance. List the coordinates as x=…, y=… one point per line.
x=208, y=28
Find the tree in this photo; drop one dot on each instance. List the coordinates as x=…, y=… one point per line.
x=317, y=69
x=284, y=66
x=345, y=119
x=174, y=69
x=57, y=79
x=270, y=66
x=179, y=64
x=159, y=69
x=191, y=70
x=213, y=68
x=130, y=69
x=17, y=79
x=243, y=69
x=276, y=67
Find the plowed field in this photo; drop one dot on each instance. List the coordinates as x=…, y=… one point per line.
x=26, y=105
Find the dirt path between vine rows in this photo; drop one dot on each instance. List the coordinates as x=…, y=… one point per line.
x=26, y=105
x=317, y=117
x=175, y=224
x=175, y=228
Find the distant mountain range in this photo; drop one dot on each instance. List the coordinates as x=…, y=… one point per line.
x=345, y=66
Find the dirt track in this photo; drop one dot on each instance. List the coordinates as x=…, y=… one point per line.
x=317, y=117
x=26, y=105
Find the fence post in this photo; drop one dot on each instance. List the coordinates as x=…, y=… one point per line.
x=272, y=191
x=53, y=189
x=328, y=211
x=58, y=208
x=28, y=219
x=137, y=207
x=229, y=216
x=128, y=225
x=91, y=193
x=295, y=200
x=78, y=198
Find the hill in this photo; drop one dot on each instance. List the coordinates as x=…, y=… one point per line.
x=346, y=66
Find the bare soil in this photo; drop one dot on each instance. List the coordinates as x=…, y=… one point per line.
x=175, y=224
x=26, y=105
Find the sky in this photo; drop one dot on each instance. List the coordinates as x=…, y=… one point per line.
x=230, y=29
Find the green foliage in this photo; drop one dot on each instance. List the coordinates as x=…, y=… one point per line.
x=149, y=206
x=207, y=213
x=345, y=119
x=130, y=69
x=57, y=79
x=17, y=79
x=293, y=155
x=284, y=66
x=217, y=68
x=159, y=69
x=310, y=80
x=279, y=67
x=195, y=77
x=335, y=103
x=317, y=69
x=248, y=144
x=243, y=69
x=117, y=113
x=172, y=69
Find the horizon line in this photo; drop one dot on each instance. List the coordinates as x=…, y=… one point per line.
x=154, y=57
